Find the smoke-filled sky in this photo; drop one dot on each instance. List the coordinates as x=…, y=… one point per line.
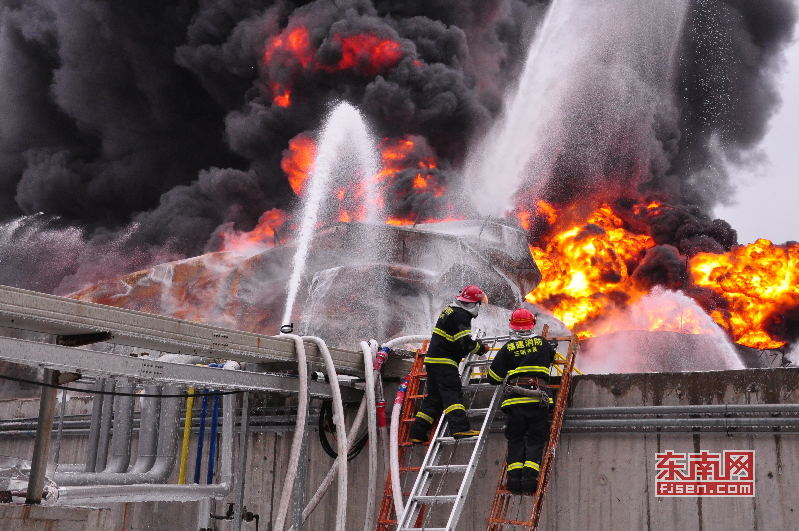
x=132, y=133
x=765, y=200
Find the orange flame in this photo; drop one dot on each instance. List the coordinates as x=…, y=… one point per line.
x=263, y=235
x=292, y=51
x=585, y=268
x=757, y=281
x=367, y=53
x=586, y=278
x=298, y=161
x=397, y=155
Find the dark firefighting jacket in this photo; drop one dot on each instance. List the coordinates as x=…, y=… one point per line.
x=529, y=357
x=452, y=337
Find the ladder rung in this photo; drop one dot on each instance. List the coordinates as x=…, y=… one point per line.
x=448, y=498
x=423, y=529
x=510, y=522
x=478, y=386
x=477, y=363
x=409, y=468
x=450, y=440
x=446, y=468
x=473, y=412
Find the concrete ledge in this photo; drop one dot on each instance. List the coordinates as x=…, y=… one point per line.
x=33, y=517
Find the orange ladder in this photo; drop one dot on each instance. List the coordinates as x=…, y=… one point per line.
x=387, y=518
x=498, y=517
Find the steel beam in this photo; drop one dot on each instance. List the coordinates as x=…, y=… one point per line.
x=56, y=357
x=39, y=312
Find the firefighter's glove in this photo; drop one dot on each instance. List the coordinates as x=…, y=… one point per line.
x=483, y=347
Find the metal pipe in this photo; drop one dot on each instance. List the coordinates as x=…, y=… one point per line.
x=198, y=459
x=123, y=428
x=204, y=515
x=168, y=436
x=683, y=410
x=244, y=427
x=41, y=447
x=94, y=434
x=209, y=477
x=226, y=449
x=691, y=423
x=148, y=430
x=138, y=492
x=148, y=492
x=184, y=447
x=59, y=435
x=105, y=426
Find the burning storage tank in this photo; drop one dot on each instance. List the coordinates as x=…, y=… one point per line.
x=362, y=280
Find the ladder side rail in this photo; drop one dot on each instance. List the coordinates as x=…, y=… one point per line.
x=554, y=436
x=477, y=451
x=421, y=477
x=387, y=519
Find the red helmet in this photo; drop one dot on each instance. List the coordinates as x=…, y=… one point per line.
x=472, y=293
x=522, y=319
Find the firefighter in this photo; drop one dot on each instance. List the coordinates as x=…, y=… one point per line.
x=450, y=342
x=525, y=360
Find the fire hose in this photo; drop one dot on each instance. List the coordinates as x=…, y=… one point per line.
x=341, y=429
x=396, y=413
x=535, y=392
x=371, y=366
x=331, y=474
x=299, y=431
x=358, y=421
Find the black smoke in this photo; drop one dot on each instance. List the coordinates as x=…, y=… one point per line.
x=141, y=128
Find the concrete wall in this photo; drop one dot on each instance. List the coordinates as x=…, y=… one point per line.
x=601, y=480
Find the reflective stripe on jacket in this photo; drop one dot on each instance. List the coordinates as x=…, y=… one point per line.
x=452, y=337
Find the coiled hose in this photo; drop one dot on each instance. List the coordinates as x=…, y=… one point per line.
x=325, y=424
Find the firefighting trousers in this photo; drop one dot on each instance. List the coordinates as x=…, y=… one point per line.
x=444, y=393
x=527, y=432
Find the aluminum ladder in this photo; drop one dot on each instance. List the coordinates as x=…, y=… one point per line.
x=423, y=504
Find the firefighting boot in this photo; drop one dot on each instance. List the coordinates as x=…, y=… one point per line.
x=529, y=481
x=465, y=434
x=514, y=482
x=421, y=429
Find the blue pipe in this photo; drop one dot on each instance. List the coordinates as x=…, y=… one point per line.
x=198, y=462
x=212, y=443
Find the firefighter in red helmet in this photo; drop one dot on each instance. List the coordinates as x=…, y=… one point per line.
x=526, y=360
x=450, y=342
